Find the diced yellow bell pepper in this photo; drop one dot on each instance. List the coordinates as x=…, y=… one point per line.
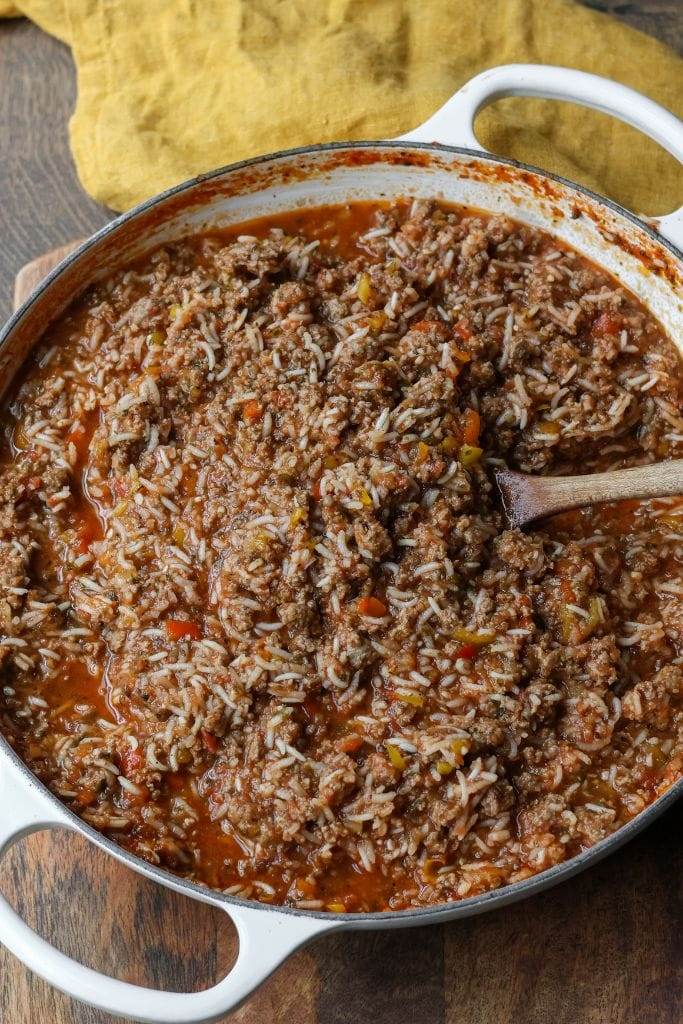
x=567, y=624
x=460, y=748
x=410, y=698
x=595, y=609
x=469, y=636
x=469, y=454
x=422, y=452
x=376, y=322
x=364, y=289
x=396, y=757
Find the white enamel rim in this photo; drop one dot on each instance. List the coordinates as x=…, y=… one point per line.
x=455, y=119
x=267, y=936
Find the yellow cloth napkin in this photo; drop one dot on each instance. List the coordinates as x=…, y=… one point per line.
x=169, y=89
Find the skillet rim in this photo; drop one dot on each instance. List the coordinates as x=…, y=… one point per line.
x=456, y=909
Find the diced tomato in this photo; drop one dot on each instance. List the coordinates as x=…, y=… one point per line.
x=428, y=325
x=351, y=744
x=372, y=606
x=182, y=629
x=131, y=761
x=466, y=651
x=210, y=741
x=607, y=323
x=306, y=888
x=315, y=490
x=460, y=354
x=86, y=796
x=252, y=411
x=462, y=329
x=471, y=427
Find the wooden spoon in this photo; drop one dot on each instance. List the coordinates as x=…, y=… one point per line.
x=526, y=498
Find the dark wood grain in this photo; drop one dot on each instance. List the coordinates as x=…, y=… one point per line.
x=660, y=18
x=42, y=204
x=606, y=948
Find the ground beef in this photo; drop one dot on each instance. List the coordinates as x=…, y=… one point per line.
x=261, y=619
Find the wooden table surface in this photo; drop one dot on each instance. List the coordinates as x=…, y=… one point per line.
x=605, y=948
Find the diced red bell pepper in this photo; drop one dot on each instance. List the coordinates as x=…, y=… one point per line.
x=210, y=741
x=182, y=629
x=607, y=323
x=471, y=427
x=372, y=606
x=467, y=651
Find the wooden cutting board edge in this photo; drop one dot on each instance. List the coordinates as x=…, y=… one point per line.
x=31, y=274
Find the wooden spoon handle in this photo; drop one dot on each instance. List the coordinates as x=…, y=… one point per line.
x=532, y=497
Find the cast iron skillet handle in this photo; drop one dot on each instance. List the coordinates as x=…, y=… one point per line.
x=453, y=124
x=266, y=938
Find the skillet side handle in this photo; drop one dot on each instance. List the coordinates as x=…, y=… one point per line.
x=453, y=124
x=266, y=938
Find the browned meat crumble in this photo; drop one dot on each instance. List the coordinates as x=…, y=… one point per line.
x=260, y=619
